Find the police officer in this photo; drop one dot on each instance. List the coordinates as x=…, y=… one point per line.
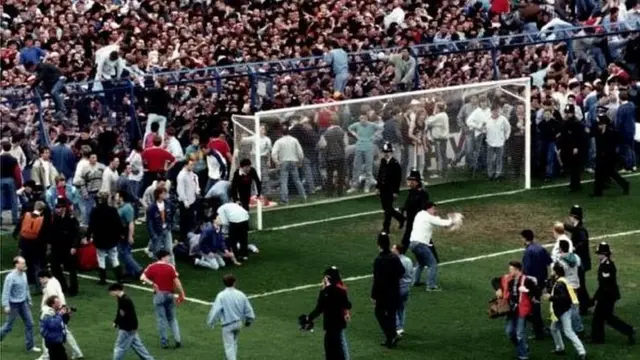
x=573, y=145
x=388, y=186
x=580, y=239
x=64, y=239
x=605, y=298
x=385, y=292
x=606, y=144
x=415, y=203
x=334, y=304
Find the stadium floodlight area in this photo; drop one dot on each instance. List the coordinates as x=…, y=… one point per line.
x=448, y=134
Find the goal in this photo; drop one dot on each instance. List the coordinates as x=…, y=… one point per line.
x=330, y=151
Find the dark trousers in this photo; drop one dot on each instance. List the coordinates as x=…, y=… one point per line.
x=517, y=154
x=536, y=320
x=406, y=238
x=34, y=254
x=245, y=199
x=575, y=169
x=57, y=351
x=148, y=178
x=335, y=166
x=604, y=313
x=203, y=177
x=335, y=345
x=583, y=293
x=604, y=172
x=187, y=220
x=386, y=199
x=386, y=316
x=62, y=258
x=239, y=234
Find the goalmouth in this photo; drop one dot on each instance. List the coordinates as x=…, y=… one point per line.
x=453, y=134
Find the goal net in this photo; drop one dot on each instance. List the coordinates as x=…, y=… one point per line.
x=331, y=150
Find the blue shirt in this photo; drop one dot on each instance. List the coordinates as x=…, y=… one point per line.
x=231, y=305
x=220, y=190
x=31, y=54
x=365, y=132
x=535, y=261
x=63, y=159
x=15, y=289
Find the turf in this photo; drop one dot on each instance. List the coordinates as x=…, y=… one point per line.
x=448, y=325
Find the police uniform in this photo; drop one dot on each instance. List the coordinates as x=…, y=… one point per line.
x=385, y=291
x=388, y=185
x=580, y=240
x=415, y=203
x=606, y=156
x=573, y=145
x=334, y=303
x=605, y=298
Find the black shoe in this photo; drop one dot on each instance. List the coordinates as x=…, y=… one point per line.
x=559, y=352
x=632, y=337
x=164, y=345
x=420, y=283
x=178, y=345
x=625, y=190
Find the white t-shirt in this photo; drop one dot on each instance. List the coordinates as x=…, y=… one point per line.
x=423, y=226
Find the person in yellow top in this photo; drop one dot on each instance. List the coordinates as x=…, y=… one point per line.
x=562, y=298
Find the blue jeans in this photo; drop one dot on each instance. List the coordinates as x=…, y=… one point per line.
x=363, y=166
x=627, y=154
x=309, y=182
x=86, y=207
x=289, y=168
x=130, y=339
x=58, y=100
x=495, y=155
x=8, y=197
x=516, y=330
x=400, y=315
x=550, y=168
x=576, y=320
x=165, y=307
x=162, y=241
x=340, y=81
x=441, y=154
x=564, y=325
x=591, y=161
x=24, y=311
x=131, y=266
x=425, y=257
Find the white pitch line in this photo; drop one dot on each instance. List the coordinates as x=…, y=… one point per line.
x=459, y=261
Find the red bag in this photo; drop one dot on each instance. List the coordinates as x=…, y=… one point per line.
x=87, y=257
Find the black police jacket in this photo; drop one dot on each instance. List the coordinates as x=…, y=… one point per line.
x=333, y=302
x=387, y=272
x=64, y=233
x=389, y=176
x=415, y=203
x=608, y=289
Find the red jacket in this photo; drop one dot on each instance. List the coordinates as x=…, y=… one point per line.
x=499, y=6
x=525, y=305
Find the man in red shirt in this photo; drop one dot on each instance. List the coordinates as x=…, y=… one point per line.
x=219, y=143
x=164, y=279
x=156, y=162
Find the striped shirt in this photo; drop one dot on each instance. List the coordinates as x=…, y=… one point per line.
x=230, y=306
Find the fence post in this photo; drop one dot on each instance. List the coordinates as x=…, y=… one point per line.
x=570, y=52
x=253, y=92
x=136, y=130
x=218, y=80
x=44, y=135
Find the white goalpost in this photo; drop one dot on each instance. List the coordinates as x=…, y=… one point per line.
x=449, y=135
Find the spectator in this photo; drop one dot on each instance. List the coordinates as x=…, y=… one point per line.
x=43, y=172
x=49, y=79
x=160, y=214
x=10, y=181
x=338, y=59
x=287, y=155
x=105, y=231
x=110, y=176
x=62, y=157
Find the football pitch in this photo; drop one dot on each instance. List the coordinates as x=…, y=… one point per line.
x=283, y=280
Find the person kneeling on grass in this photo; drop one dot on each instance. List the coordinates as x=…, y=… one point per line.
x=212, y=247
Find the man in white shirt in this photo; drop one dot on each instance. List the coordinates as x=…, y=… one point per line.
x=264, y=151
x=219, y=191
x=42, y=171
x=498, y=131
x=188, y=190
x=51, y=287
x=439, y=126
x=288, y=157
x=236, y=219
x=422, y=244
x=110, y=176
x=108, y=73
x=476, y=122
x=559, y=234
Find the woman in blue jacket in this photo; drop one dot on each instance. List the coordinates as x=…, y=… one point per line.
x=52, y=328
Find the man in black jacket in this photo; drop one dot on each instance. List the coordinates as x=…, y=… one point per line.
x=580, y=240
x=573, y=144
x=49, y=79
x=105, y=230
x=416, y=200
x=126, y=322
x=605, y=299
x=334, y=304
x=388, y=186
x=385, y=292
x=64, y=239
x=241, y=183
x=606, y=155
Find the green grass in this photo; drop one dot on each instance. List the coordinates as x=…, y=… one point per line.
x=448, y=325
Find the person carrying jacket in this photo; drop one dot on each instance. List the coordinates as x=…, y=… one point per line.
x=333, y=303
x=105, y=230
x=580, y=239
x=519, y=290
x=562, y=300
x=52, y=328
x=31, y=232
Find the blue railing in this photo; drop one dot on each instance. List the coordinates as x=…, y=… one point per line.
x=265, y=71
